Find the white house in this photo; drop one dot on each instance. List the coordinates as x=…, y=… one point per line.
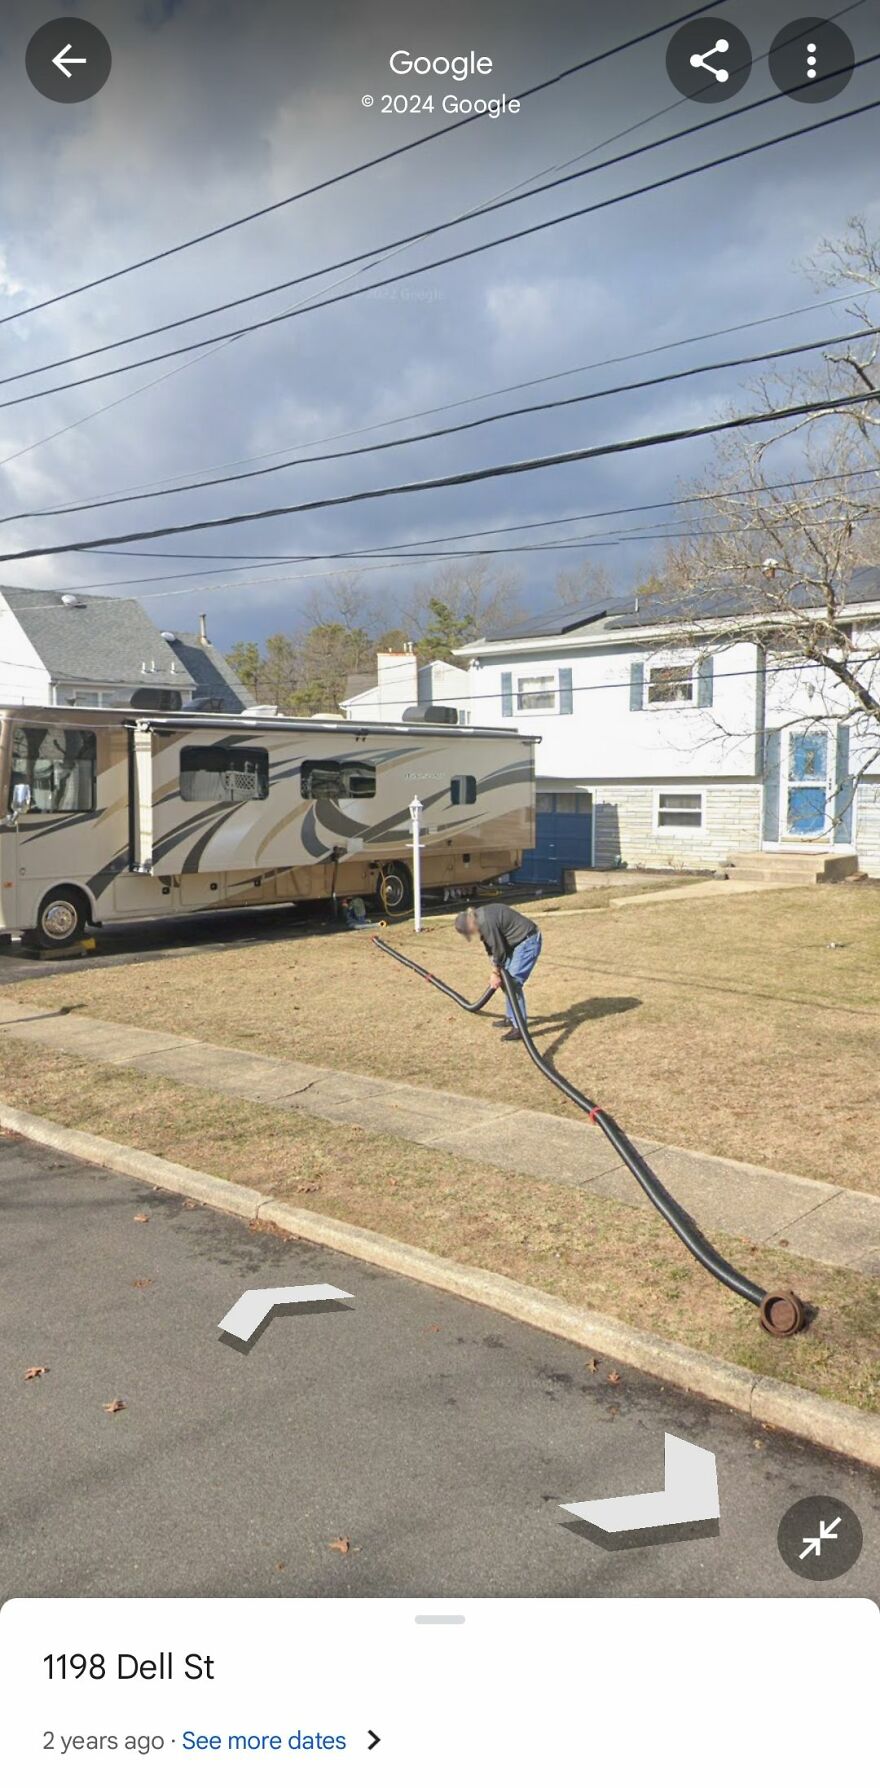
x=71, y=649
x=401, y=682
x=672, y=743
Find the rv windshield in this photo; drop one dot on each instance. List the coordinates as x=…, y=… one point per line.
x=58, y=763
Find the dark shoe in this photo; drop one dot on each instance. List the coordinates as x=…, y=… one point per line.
x=511, y=1037
x=501, y=1024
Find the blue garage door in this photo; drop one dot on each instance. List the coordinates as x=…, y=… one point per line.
x=563, y=838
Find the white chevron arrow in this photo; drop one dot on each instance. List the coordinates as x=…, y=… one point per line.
x=690, y=1493
x=253, y=1307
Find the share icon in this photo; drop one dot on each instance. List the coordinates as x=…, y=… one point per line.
x=718, y=49
x=708, y=60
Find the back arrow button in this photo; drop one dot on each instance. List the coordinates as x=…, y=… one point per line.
x=68, y=60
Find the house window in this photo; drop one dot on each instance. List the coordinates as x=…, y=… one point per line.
x=670, y=683
x=536, y=694
x=59, y=766
x=677, y=812
x=327, y=779
x=463, y=791
x=223, y=773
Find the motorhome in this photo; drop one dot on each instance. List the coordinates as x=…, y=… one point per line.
x=114, y=815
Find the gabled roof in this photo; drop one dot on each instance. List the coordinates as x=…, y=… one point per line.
x=210, y=672
x=96, y=638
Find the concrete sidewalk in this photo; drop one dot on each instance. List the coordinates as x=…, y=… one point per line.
x=821, y=1222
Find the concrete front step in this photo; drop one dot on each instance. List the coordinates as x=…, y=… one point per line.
x=791, y=867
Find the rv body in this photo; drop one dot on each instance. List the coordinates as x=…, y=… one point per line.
x=141, y=815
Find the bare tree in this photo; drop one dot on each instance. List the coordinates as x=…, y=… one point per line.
x=784, y=521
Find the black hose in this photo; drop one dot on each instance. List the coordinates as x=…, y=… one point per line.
x=466, y=1005
x=678, y=1219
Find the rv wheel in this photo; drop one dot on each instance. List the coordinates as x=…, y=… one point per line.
x=395, y=889
x=62, y=919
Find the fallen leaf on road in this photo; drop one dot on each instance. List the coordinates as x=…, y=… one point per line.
x=112, y=1409
x=341, y=1545
x=592, y=1365
x=36, y=1371
x=190, y=1204
x=280, y=1567
x=141, y=1284
x=141, y=1217
x=614, y=1378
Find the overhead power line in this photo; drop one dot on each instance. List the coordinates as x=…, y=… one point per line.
x=552, y=521
x=455, y=428
x=384, y=249
x=462, y=254
x=331, y=180
x=578, y=455
x=458, y=403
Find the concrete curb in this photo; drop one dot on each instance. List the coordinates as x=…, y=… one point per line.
x=795, y=1411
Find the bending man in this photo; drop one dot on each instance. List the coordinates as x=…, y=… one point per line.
x=512, y=941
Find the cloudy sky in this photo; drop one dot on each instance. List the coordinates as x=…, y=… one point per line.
x=217, y=107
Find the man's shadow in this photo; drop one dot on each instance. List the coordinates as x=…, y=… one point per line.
x=558, y=1027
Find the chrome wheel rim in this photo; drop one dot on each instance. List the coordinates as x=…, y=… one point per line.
x=60, y=920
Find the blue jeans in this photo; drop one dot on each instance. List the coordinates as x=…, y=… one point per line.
x=519, y=967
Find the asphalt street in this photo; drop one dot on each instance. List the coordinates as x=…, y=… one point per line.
x=438, y=1439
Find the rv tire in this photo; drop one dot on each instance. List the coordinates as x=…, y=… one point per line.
x=63, y=916
x=395, y=889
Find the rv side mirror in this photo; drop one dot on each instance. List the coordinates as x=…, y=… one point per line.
x=21, y=799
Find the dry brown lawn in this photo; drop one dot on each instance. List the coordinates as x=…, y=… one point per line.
x=725, y=1025
x=556, y=1238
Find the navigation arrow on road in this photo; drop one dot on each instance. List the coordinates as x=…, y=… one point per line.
x=688, y=1500
x=249, y=1312
x=64, y=57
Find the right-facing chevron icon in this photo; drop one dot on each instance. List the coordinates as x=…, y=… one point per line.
x=689, y=1499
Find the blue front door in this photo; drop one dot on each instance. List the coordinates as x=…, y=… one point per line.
x=563, y=838
x=806, y=810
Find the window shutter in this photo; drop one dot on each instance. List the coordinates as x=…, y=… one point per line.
x=844, y=790
x=636, y=684
x=772, y=756
x=506, y=692
x=566, y=702
x=705, y=682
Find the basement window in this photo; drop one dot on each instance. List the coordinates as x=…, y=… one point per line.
x=678, y=812
x=328, y=779
x=223, y=774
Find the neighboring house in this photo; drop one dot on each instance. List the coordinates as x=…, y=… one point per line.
x=404, y=683
x=667, y=742
x=217, y=688
x=66, y=649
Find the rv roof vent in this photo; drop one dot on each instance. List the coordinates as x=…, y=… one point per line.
x=171, y=638
x=328, y=716
x=71, y=601
x=430, y=713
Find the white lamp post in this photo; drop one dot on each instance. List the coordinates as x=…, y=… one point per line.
x=415, y=810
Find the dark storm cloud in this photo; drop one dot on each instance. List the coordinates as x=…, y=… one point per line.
x=215, y=108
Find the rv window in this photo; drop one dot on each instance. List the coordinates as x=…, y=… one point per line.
x=219, y=773
x=59, y=764
x=326, y=779
x=463, y=791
